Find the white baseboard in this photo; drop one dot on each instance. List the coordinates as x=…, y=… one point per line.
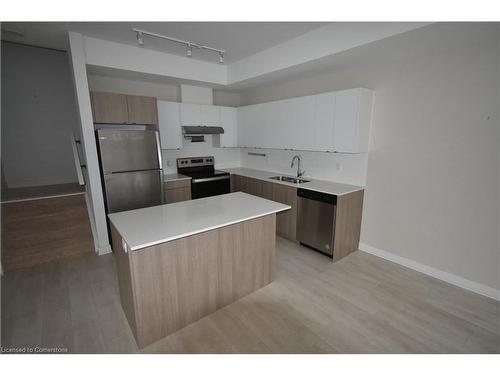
x=461, y=282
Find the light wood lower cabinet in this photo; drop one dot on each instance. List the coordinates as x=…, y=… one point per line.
x=252, y=186
x=347, y=222
x=177, y=191
x=285, y=221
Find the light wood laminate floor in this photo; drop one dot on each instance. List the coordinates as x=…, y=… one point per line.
x=362, y=304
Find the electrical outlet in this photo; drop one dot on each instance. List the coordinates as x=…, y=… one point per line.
x=338, y=166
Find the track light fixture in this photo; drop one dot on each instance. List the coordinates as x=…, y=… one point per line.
x=140, y=39
x=189, y=45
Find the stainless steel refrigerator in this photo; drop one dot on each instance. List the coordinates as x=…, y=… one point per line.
x=131, y=166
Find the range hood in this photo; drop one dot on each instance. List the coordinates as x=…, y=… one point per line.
x=200, y=130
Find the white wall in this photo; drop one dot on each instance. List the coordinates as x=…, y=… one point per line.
x=125, y=86
x=93, y=195
x=38, y=116
x=103, y=53
x=433, y=169
x=162, y=91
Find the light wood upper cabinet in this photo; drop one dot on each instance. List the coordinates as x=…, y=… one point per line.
x=109, y=108
x=170, y=125
x=142, y=110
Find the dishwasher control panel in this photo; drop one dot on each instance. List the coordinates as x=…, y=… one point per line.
x=317, y=196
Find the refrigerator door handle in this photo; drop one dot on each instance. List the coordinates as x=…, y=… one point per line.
x=158, y=145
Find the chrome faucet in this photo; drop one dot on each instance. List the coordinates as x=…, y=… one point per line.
x=299, y=172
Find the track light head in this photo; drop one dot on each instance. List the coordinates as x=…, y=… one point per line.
x=140, y=39
x=221, y=57
x=189, y=51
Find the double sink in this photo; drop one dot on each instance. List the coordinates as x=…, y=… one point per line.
x=292, y=180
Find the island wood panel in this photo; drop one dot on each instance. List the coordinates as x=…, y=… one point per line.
x=125, y=283
x=347, y=224
x=286, y=222
x=178, y=282
x=142, y=110
x=109, y=108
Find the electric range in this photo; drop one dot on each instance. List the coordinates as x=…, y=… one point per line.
x=206, y=181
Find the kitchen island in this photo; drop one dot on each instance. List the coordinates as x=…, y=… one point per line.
x=179, y=262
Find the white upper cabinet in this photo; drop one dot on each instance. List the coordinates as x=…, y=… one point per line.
x=193, y=114
x=335, y=122
x=229, y=122
x=323, y=124
x=190, y=114
x=169, y=124
x=353, y=110
x=298, y=130
x=251, y=125
x=210, y=115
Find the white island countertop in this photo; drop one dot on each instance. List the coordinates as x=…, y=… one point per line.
x=154, y=225
x=323, y=186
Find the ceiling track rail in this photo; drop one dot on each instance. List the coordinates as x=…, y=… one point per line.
x=189, y=45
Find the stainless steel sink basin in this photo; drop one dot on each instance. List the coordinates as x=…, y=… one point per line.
x=292, y=180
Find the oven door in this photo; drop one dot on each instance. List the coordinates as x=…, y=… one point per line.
x=207, y=187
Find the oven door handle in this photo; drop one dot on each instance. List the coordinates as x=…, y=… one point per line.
x=196, y=180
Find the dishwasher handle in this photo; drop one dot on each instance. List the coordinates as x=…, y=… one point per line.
x=317, y=196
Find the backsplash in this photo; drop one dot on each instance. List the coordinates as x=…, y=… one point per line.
x=344, y=168
x=224, y=157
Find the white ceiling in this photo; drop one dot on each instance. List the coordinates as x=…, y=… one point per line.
x=239, y=39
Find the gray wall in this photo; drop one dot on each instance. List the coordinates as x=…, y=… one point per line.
x=38, y=116
x=433, y=169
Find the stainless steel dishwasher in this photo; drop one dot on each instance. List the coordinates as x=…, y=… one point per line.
x=316, y=220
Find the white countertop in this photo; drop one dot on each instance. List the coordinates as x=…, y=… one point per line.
x=154, y=225
x=328, y=187
x=174, y=177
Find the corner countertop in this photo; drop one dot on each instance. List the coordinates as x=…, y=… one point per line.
x=174, y=177
x=328, y=187
x=169, y=222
